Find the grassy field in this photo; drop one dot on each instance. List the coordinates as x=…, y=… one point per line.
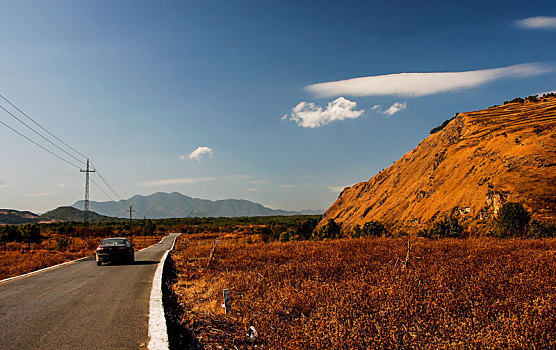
x=14, y=262
x=365, y=293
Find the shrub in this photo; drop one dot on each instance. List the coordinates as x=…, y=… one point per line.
x=443, y=125
x=330, y=230
x=517, y=99
x=62, y=243
x=447, y=227
x=532, y=98
x=512, y=219
x=374, y=228
x=356, y=231
x=539, y=229
x=284, y=236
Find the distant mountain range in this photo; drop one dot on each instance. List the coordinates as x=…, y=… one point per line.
x=16, y=217
x=176, y=205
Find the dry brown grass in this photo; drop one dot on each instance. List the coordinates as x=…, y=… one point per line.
x=357, y=294
x=14, y=262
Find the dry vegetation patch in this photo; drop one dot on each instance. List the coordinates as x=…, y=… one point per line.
x=359, y=293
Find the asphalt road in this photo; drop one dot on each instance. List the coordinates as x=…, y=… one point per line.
x=81, y=305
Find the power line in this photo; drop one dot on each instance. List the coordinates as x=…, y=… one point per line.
x=40, y=126
x=107, y=195
x=46, y=149
x=58, y=147
x=36, y=132
x=111, y=189
x=101, y=190
x=106, y=182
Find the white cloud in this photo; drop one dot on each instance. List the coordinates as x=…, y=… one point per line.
x=395, y=108
x=308, y=115
x=182, y=181
x=376, y=107
x=61, y=185
x=252, y=189
x=198, y=153
x=539, y=22
x=286, y=186
x=422, y=84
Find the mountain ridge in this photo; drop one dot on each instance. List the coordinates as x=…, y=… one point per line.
x=175, y=205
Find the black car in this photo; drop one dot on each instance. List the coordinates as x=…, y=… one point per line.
x=115, y=250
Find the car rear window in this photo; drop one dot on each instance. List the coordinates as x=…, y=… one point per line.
x=113, y=242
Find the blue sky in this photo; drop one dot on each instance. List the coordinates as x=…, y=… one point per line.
x=261, y=90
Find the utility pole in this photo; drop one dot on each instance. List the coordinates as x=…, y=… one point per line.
x=130, y=216
x=86, y=209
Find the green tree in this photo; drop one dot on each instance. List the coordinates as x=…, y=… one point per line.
x=149, y=227
x=8, y=233
x=374, y=228
x=512, y=219
x=30, y=234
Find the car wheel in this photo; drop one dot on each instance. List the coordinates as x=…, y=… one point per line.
x=99, y=262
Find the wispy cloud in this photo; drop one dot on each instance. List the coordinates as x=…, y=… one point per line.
x=197, y=154
x=285, y=186
x=546, y=92
x=252, y=189
x=393, y=109
x=539, y=22
x=422, y=84
x=4, y=185
x=61, y=185
x=336, y=188
x=256, y=182
x=309, y=115
x=182, y=181
x=40, y=194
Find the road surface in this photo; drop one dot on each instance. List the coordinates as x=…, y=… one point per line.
x=81, y=305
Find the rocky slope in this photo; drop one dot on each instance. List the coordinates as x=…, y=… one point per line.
x=470, y=169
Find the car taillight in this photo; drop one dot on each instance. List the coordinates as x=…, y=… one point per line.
x=99, y=248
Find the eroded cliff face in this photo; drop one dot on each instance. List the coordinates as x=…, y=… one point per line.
x=479, y=161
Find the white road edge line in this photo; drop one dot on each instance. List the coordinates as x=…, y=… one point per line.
x=158, y=332
x=65, y=263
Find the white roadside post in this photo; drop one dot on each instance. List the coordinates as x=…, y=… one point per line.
x=227, y=302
